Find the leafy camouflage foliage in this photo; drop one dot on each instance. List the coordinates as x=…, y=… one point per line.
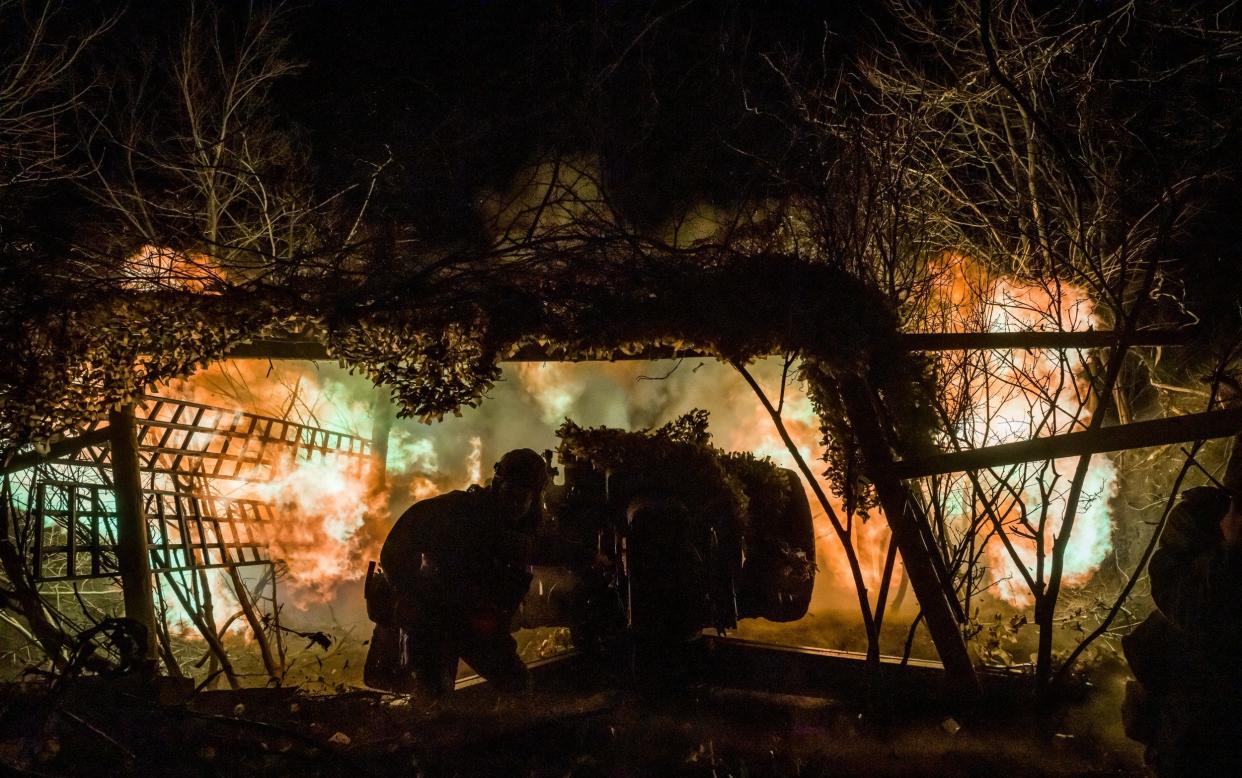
x=767, y=492
x=675, y=461
x=70, y=361
x=905, y=385
x=742, y=497
x=68, y=365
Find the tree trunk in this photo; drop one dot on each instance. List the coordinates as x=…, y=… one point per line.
x=133, y=556
x=29, y=603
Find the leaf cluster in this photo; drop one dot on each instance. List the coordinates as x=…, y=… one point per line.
x=674, y=461
x=68, y=365
x=737, y=493
x=905, y=388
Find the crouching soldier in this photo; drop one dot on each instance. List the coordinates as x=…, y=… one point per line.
x=455, y=570
x=1187, y=656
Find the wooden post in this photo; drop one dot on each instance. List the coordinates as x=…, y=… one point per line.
x=133, y=556
x=919, y=554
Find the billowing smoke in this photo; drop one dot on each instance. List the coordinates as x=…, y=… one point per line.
x=337, y=527
x=340, y=521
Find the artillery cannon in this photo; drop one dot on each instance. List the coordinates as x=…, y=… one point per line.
x=651, y=538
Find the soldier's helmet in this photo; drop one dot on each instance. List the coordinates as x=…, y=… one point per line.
x=524, y=467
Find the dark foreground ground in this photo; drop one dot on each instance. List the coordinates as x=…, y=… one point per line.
x=579, y=721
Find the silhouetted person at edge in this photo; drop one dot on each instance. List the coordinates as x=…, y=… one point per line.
x=455, y=570
x=1187, y=656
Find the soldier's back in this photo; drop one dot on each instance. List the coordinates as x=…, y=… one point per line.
x=434, y=532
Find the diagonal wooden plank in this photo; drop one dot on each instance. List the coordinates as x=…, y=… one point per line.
x=1139, y=434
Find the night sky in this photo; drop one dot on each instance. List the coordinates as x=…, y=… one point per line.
x=676, y=101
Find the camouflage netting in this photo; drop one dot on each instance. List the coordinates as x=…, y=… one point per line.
x=738, y=494
x=768, y=493
x=675, y=461
x=736, y=309
x=67, y=365
x=438, y=344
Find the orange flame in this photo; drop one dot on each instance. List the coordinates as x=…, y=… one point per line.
x=321, y=507
x=1004, y=396
x=155, y=268
x=328, y=524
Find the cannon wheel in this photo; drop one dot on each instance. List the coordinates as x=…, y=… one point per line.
x=772, y=586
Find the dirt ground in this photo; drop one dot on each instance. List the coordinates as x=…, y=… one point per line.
x=572, y=725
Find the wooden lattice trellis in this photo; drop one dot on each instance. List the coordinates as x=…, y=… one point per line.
x=187, y=451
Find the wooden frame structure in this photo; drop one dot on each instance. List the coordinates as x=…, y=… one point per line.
x=75, y=532
x=185, y=452
x=164, y=440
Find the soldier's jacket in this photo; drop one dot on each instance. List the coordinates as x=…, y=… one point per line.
x=1187, y=656
x=452, y=552
x=1196, y=581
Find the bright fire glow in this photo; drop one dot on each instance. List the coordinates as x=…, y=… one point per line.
x=1005, y=396
x=474, y=461
x=328, y=524
x=555, y=386
x=320, y=507
x=154, y=268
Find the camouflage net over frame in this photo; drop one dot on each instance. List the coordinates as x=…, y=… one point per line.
x=736, y=493
x=438, y=345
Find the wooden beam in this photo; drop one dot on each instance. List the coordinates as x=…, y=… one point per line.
x=959, y=341
x=924, y=566
x=301, y=348
x=280, y=349
x=58, y=450
x=537, y=354
x=1139, y=434
x=314, y=351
